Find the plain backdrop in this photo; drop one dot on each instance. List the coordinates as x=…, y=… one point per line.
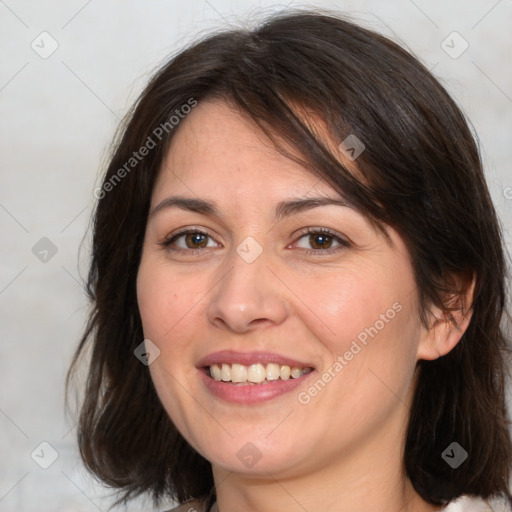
x=68, y=73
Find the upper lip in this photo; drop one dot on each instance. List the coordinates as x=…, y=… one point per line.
x=248, y=358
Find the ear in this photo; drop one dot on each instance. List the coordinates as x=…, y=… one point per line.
x=447, y=327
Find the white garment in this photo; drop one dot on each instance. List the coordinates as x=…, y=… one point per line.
x=467, y=504
x=463, y=504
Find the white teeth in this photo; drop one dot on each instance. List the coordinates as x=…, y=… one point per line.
x=225, y=372
x=255, y=373
x=215, y=372
x=285, y=372
x=295, y=373
x=272, y=371
x=238, y=373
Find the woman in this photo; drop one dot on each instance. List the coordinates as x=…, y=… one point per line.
x=297, y=282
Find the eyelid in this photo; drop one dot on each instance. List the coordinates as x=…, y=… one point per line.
x=343, y=242
x=184, y=231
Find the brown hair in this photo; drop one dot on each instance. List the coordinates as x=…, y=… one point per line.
x=422, y=175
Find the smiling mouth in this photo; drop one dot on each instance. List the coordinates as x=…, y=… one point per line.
x=255, y=373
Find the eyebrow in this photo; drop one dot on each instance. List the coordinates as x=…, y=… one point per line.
x=282, y=209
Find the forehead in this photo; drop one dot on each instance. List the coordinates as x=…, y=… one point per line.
x=219, y=149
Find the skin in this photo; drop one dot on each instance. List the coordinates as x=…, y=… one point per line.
x=343, y=450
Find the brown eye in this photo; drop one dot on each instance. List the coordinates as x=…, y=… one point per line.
x=189, y=240
x=196, y=240
x=320, y=241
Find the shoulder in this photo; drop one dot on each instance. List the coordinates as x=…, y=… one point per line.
x=189, y=506
x=475, y=504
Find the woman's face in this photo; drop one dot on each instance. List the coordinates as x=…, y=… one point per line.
x=275, y=280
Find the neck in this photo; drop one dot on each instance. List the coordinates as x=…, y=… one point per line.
x=359, y=479
x=357, y=491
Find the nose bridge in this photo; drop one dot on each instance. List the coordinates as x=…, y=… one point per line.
x=248, y=293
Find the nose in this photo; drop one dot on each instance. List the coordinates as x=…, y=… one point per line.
x=247, y=296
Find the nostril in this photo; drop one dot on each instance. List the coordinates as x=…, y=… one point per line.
x=258, y=321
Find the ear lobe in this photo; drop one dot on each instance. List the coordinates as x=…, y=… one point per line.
x=448, y=325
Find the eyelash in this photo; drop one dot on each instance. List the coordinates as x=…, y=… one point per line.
x=310, y=231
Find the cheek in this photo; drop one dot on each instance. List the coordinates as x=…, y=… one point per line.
x=166, y=305
x=168, y=312
x=344, y=305
x=368, y=318
x=369, y=336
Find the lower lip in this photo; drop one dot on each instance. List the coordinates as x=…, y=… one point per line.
x=251, y=393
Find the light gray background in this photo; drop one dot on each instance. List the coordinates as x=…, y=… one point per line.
x=57, y=118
